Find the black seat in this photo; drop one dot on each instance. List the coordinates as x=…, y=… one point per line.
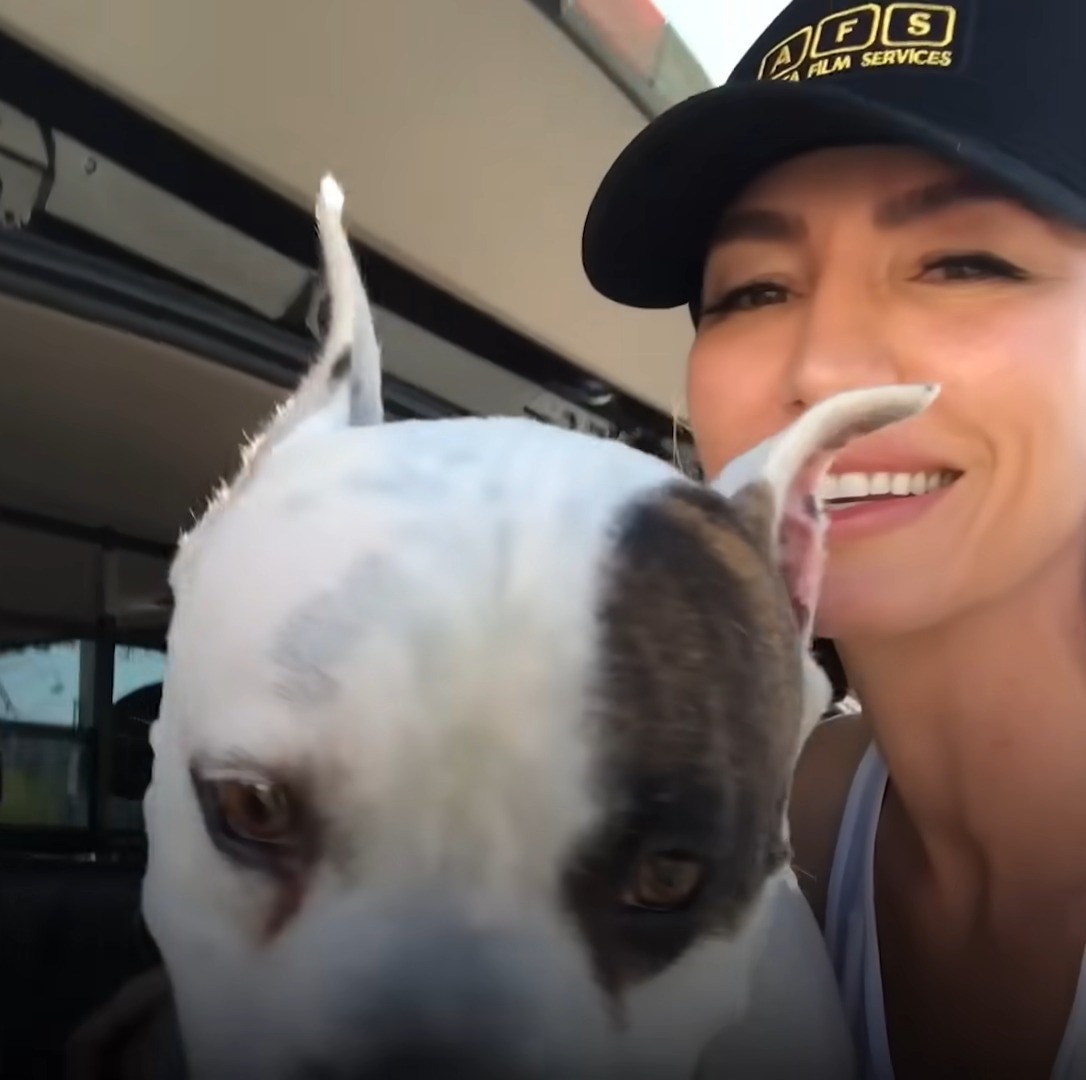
x=70, y=936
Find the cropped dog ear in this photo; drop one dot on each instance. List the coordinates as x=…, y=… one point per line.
x=775, y=485
x=343, y=387
x=351, y=354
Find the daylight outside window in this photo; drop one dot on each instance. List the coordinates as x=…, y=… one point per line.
x=43, y=749
x=719, y=32
x=663, y=51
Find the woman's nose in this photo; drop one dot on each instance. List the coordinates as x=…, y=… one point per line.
x=843, y=344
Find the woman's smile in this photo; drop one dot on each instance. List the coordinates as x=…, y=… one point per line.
x=883, y=485
x=861, y=504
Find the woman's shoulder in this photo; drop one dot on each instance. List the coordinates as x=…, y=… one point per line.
x=820, y=789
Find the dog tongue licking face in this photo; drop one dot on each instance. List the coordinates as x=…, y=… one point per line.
x=776, y=483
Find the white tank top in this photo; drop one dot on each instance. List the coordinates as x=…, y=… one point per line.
x=853, y=943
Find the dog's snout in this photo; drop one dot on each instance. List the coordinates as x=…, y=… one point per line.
x=419, y=991
x=461, y=1015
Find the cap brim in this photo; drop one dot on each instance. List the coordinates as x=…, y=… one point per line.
x=647, y=228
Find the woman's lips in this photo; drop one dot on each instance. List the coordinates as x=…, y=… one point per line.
x=840, y=485
x=858, y=504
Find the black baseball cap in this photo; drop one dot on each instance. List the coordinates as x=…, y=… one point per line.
x=997, y=87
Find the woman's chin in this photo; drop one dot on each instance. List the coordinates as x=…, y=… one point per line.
x=857, y=607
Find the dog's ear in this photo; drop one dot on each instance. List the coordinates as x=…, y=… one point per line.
x=775, y=485
x=343, y=387
x=351, y=354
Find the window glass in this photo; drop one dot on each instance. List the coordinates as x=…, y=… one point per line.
x=663, y=51
x=45, y=738
x=39, y=684
x=137, y=692
x=135, y=668
x=634, y=41
x=42, y=749
x=66, y=760
x=718, y=34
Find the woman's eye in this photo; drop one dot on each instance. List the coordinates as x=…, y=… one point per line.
x=747, y=298
x=972, y=266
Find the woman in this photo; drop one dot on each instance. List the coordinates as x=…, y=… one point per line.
x=897, y=193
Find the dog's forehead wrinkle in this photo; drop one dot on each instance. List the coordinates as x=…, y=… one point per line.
x=322, y=631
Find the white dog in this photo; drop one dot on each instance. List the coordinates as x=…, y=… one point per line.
x=476, y=742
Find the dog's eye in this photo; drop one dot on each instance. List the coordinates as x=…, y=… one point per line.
x=253, y=819
x=664, y=881
x=256, y=811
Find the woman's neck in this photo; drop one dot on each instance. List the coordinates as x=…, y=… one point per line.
x=982, y=724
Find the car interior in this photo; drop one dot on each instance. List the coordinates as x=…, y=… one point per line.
x=109, y=442
x=159, y=296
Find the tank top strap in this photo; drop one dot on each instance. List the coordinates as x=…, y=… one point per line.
x=850, y=932
x=852, y=938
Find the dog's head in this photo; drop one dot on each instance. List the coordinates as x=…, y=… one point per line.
x=476, y=736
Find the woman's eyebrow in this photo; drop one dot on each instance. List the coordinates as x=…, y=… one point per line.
x=776, y=226
x=934, y=198
x=758, y=224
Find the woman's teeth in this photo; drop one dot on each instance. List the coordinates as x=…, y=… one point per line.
x=853, y=487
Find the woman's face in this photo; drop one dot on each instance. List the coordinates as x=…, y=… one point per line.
x=857, y=267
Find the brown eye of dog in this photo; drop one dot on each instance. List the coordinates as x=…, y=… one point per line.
x=256, y=811
x=256, y=820
x=664, y=881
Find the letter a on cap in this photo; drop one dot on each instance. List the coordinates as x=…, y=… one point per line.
x=786, y=55
x=782, y=59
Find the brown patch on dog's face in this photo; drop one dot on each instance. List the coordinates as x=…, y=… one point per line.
x=701, y=701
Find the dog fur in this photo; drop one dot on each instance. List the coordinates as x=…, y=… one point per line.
x=487, y=672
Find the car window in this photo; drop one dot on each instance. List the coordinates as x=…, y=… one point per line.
x=43, y=750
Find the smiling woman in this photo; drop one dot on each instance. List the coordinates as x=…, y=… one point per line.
x=878, y=265
x=870, y=200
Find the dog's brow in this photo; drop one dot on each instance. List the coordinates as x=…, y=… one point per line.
x=323, y=629
x=238, y=763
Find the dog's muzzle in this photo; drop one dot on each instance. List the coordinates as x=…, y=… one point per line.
x=447, y=1000
x=426, y=991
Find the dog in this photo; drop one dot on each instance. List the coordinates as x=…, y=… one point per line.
x=476, y=742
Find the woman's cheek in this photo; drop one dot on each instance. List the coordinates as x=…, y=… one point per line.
x=995, y=343
x=730, y=409
x=737, y=393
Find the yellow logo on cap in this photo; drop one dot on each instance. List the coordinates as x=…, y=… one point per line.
x=867, y=36
x=847, y=31
x=787, y=56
